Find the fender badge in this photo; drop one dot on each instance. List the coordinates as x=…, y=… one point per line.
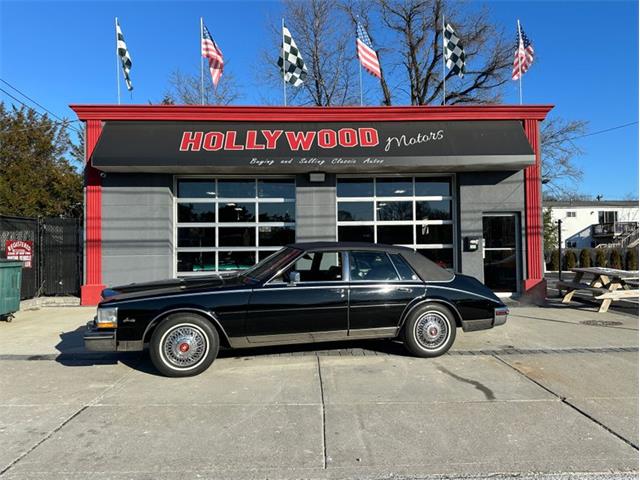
x=129, y=320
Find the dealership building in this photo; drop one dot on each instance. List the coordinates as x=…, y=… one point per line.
x=175, y=191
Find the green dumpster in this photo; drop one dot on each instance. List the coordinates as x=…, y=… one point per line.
x=10, y=280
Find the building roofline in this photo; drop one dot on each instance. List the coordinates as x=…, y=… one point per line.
x=591, y=203
x=308, y=114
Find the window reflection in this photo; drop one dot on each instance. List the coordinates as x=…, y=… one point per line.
x=394, y=187
x=236, y=212
x=196, y=212
x=355, y=187
x=355, y=211
x=196, y=188
x=236, y=236
x=394, y=211
x=433, y=210
x=277, y=212
x=236, y=188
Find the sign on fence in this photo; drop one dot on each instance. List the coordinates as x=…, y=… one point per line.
x=21, y=250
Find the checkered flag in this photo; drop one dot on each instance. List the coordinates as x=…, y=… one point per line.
x=294, y=70
x=123, y=53
x=453, y=51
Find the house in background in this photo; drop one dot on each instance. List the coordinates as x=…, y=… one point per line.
x=593, y=223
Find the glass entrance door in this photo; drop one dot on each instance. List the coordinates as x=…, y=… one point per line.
x=501, y=252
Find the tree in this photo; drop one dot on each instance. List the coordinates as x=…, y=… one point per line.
x=558, y=152
x=36, y=178
x=325, y=38
x=417, y=28
x=550, y=230
x=185, y=88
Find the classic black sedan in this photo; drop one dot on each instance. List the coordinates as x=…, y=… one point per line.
x=311, y=292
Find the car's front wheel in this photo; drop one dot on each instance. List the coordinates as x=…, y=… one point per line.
x=430, y=331
x=184, y=345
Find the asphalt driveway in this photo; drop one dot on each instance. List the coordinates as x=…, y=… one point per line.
x=555, y=390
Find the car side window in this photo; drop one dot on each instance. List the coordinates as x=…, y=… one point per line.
x=316, y=267
x=405, y=271
x=370, y=266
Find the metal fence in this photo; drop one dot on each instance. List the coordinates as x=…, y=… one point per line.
x=51, y=249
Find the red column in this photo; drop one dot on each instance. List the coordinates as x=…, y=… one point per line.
x=534, y=283
x=90, y=291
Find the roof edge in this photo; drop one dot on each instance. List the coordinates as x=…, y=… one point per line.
x=307, y=114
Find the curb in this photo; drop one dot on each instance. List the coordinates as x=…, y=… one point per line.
x=39, y=302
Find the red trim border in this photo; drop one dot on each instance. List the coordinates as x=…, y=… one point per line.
x=90, y=291
x=310, y=114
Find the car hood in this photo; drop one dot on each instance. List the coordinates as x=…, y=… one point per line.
x=171, y=286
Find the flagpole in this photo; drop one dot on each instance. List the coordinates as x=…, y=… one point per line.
x=444, y=70
x=284, y=62
x=360, y=83
x=520, y=61
x=117, y=59
x=201, y=64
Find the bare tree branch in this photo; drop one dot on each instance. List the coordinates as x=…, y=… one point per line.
x=559, y=172
x=184, y=88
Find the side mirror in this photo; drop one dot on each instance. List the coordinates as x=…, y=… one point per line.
x=294, y=277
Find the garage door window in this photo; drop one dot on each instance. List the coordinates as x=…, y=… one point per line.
x=417, y=212
x=225, y=224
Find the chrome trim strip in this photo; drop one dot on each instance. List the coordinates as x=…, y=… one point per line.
x=298, y=286
x=387, y=285
x=311, y=337
x=463, y=291
x=301, y=337
x=394, y=266
x=120, y=302
x=378, y=305
x=373, y=332
x=346, y=266
x=297, y=309
x=209, y=315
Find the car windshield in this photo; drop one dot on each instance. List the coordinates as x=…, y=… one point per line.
x=268, y=267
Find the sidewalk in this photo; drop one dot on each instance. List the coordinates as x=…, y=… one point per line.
x=546, y=393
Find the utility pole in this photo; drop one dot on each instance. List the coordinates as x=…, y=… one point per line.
x=559, y=252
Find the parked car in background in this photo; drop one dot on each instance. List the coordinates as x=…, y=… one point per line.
x=303, y=293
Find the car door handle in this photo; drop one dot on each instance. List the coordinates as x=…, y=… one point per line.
x=405, y=289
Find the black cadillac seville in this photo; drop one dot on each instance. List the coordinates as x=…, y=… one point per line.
x=311, y=292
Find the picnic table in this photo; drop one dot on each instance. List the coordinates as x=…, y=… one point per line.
x=606, y=285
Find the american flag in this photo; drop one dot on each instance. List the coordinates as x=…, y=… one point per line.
x=366, y=54
x=523, y=57
x=211, y=51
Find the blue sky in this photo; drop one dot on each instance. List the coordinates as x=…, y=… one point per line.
x=586, y=62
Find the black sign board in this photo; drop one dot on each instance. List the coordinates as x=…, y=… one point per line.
x=292, y=146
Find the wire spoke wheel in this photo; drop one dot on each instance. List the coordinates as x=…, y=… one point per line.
x=184, y=346
x=432, y=330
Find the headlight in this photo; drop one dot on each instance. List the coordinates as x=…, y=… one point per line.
x=107, y=318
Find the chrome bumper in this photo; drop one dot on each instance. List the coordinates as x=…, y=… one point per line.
x=96, y=340
x=500, y=316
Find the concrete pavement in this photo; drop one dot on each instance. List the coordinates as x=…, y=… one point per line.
x=543, y=395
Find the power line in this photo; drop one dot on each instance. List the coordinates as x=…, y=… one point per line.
x=617, y=127
x=30, y=99
x=61, y=122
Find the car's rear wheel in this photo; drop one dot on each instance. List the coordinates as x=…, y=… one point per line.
x=184, y=345
x=430, y=331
